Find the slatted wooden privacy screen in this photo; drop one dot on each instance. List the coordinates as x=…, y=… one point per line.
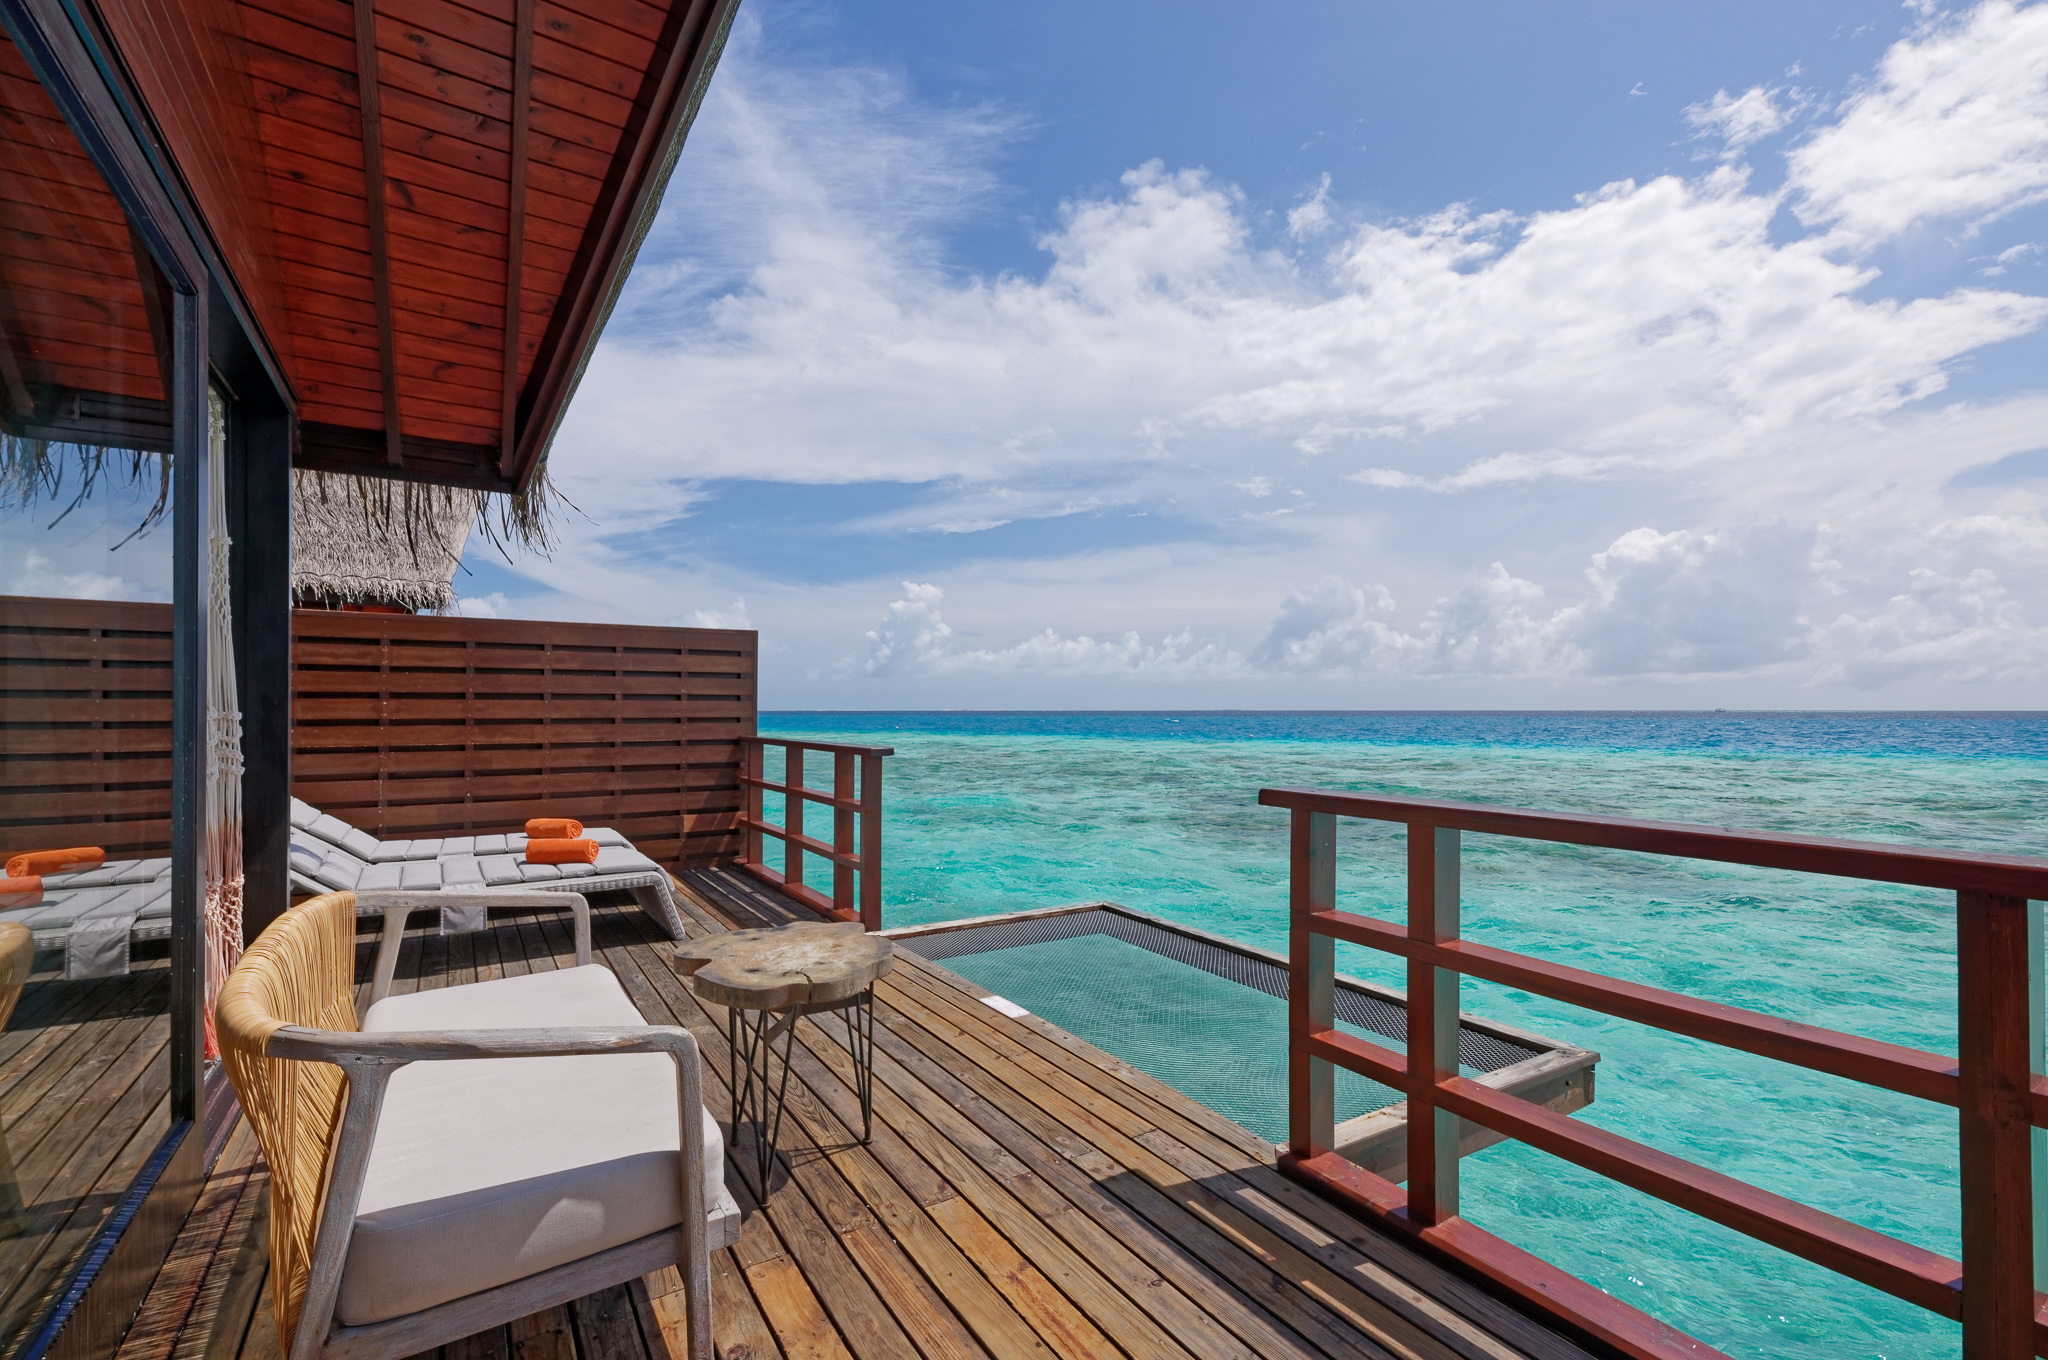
x=85, y=725
x=1995, y=1083
x=405, y=725
x=416, y=726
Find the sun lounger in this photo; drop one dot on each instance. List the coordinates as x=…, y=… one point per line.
x=329, y=855
x=95, y=914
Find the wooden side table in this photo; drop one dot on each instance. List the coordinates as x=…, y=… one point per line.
x=767, y=980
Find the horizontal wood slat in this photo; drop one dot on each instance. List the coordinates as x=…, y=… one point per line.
x=1910, y=1071
x=414, y=725
x=404, y=725
x=85, y=725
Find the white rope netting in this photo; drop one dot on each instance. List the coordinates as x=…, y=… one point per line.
x=221, y=851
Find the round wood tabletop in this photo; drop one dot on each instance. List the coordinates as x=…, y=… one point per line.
x=806, y=964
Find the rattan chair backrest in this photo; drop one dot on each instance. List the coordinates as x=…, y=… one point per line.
x=301, y=971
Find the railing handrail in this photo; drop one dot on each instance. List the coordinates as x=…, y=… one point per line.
x=1995, y=1082
x=835, y=747
x=1876, y=861
x=855, y=850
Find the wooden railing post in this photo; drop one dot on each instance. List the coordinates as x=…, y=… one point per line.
x=871, y=842
x=1312, y=984
x=2037, y=1063
x=1432, y=1024
x=755, y=764
x=1994, y=992
x=792, y=815
x=842, y=831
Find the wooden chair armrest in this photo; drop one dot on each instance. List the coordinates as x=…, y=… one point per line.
x=396, y=1048
x=395, y=905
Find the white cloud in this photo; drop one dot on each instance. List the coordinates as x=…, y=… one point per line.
x=1669, y=606
x=914, y=635
x=1740, y=120
x=1501, y=468
x=1662, y=604
x=1952, y=128
x=37, y=574
x=2007, y=257
x=1960, y=630
x=491, y=606
x=1689, y=603
x=733, y=615
x=1311, y=217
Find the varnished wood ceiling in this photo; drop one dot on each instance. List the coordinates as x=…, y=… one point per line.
x=377, y=174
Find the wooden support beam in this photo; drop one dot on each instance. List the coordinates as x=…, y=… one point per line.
x=515, y=230
x=156, y=304
x=367, y=89
x=19, y=405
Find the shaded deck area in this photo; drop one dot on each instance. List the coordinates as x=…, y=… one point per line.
x=1024, y=1195
x=84, y=1100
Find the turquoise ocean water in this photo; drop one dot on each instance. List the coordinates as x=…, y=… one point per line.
x=1007, y=811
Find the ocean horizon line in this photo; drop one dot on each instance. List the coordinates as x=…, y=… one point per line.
x=1428, y=712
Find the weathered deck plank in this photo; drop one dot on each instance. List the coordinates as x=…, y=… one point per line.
x=84, y=1086
x=1023, y=1196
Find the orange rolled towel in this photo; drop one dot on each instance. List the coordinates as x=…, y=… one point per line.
x=17, y=891
x=553, y=828
x=561, y=852
x=37, y=862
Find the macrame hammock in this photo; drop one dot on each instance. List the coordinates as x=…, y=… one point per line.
x=221, y=839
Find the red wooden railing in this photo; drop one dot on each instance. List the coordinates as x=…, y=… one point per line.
x=1995, y=1083
x=855, y=849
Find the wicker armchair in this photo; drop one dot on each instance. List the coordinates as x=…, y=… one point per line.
x=467, y=1155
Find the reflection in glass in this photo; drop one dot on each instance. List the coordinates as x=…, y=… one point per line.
x=85, y=703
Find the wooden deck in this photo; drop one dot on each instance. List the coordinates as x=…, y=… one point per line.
x=84, y=1097
x=1024, y=1195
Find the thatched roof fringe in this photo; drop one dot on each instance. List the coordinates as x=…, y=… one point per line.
x=348, y=506
x=362, y=540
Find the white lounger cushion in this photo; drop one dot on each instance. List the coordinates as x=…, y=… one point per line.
x=61, y=910
x=486, y=1172
x=114, y=871
x=329, y=832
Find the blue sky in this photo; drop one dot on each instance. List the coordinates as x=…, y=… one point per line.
x=1337, y=355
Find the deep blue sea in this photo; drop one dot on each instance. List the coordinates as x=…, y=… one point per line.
x=995, y=812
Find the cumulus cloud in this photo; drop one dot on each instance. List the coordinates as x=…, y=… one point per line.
x=915, y=636
x=1966, y=630
x=1682, y=604
x=1677, y=603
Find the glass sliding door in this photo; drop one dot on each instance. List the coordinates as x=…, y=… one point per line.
x=99, y=786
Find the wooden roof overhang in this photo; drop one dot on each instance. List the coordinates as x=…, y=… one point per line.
x=426, y=209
